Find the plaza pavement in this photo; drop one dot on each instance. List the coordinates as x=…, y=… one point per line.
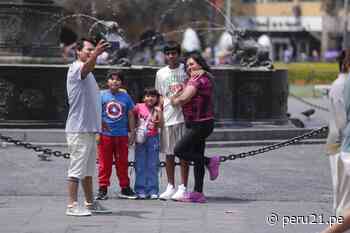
x=289, y=182
x=291, y=186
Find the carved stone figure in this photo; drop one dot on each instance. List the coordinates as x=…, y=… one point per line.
x=32, y=99
x=249, y=53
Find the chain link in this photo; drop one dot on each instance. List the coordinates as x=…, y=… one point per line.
x=323, y=130
x=46, y=153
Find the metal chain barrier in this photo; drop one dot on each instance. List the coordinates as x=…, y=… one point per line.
x=308, y=103
x=313, y=133
x=47, y=153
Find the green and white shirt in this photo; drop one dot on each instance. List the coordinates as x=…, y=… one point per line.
x=168, y=82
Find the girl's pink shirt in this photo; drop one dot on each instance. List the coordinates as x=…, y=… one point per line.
x=141, y=111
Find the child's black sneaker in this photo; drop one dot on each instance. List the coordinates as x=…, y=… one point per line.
x=127, y=193
x=102, y=194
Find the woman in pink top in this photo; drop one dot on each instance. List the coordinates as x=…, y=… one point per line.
x=197, y=104
x=149, y=117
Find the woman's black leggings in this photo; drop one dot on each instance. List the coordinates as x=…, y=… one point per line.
x=191, y=148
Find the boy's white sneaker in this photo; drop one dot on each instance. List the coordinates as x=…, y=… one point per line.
x=179, y=193
x=169, y=192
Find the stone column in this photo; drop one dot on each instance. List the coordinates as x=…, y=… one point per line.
x=27, y=34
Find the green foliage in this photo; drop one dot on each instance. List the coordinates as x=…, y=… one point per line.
x=310, y=72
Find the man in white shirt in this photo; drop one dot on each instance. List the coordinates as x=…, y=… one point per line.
x=83, y=122
x=169, y=81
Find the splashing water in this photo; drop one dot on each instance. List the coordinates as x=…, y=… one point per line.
x=69, y=17
x=176, y=4
x=201, y=30
x=231, y=25
x=170, y=10
x=99, y=25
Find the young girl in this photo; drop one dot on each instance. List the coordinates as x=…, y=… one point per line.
x=147, y=152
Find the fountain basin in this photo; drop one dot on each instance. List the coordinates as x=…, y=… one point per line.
x=34, y=96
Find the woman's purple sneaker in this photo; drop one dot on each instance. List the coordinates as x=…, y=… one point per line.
x=185, y=197
x=195, y=197
x=213, y=167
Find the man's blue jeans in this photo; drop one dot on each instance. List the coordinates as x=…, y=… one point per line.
x=147, y=167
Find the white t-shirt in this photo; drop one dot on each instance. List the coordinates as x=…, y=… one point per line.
x=168, y=82
x=337, y=119
x=84, y=114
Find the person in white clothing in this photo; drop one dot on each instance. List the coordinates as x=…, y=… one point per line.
x=169, y=81
x=337, y=123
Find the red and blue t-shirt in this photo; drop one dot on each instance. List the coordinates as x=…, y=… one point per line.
x=115, y=108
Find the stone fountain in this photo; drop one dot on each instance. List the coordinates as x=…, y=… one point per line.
x=22, y=23
x=34, y=95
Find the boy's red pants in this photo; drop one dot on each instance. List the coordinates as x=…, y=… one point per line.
x=113, y=147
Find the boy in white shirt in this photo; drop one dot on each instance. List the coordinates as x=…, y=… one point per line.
x=169, y=80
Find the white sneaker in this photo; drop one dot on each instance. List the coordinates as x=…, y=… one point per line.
x=179, y=193
x=76, y=210
x=169, y=192
x=96, y=208
x=154, y=197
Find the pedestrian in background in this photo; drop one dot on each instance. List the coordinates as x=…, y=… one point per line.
x=337, y=122
x=338, y=144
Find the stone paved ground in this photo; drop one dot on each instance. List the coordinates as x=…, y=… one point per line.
x=286, y=184
x=290, y=182
x=319, y=118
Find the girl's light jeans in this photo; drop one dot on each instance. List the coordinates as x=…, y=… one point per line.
x=147, y=167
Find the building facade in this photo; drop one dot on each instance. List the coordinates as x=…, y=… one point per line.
x=301, y=29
